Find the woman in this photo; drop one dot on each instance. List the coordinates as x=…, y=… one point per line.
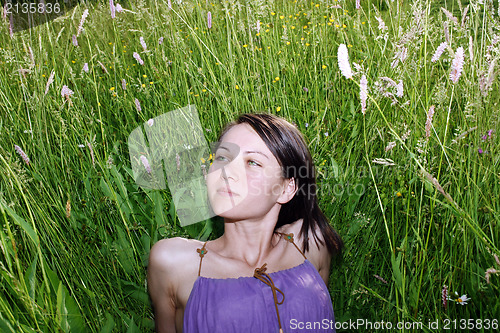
x=265, y=273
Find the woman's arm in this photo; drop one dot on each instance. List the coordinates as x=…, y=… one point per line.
x=161, y=285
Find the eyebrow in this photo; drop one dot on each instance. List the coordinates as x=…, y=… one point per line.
x=247, y=152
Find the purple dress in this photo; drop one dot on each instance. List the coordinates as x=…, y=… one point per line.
x=248, y=304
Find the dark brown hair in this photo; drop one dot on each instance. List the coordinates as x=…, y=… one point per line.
x=287, y=144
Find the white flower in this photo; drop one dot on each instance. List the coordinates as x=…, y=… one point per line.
x=343, y=59
x=363, y=92
x=85, y=67
x=439, y=51
x=457, y=65
x=151, y=122
x=462, y=300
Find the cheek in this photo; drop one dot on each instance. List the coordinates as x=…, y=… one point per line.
x=261, y=184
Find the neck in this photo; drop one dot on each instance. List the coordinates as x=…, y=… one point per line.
x=250, y=240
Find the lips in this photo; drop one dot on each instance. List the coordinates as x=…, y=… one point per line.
x=226, y=191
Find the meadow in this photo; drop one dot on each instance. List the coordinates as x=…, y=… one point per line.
x=398, y=101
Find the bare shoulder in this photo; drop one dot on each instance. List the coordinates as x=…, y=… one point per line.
x=318, y=253
x=171, y=255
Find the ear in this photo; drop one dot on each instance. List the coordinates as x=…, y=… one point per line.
x=288, y=191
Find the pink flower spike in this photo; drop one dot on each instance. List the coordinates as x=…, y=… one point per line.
x=118, y=8
x=480, y=151
x=363, y=93
x=169, y=4
x=160, y=41
x=112, y=8
x=444, y=296
x=457, y=65
x=22, y=154
x=75, y=41
x=124, y=84
x=343, y=60
x=428, y=123
x=439, y=51
x=82, y=20
x=358, y=4
x=138, y=58
x=143, y=44
x=138, y=105
x=209, y=20
x=85, y=67
x=66, y=92
x=145, y=162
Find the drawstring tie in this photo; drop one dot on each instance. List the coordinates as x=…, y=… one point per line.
x=260, y=273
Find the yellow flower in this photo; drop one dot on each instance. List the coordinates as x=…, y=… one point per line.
x=324, y=66
x=112, y=88
x=349, y=45
x=307, y=44
x=267, y=30
x=317, y=5
x=151, y=82
x=305, y=27
x=287, y=43
x=258, y=34
x=245, y=45
x=344, y=26
x=337, y=26
x=281, y=17
x=143, y=85
x=237, y=87
x=43, y=75
x=278, y=108
x=114, y=94
x=293, y=27
x=273, y=13
x=399, y=194
x=144, y=76
x=73, y=61
x=202, y=160
x=110, y=43
x=203, y=90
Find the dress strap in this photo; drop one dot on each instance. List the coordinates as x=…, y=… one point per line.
x=202, y=253
x=260, y=273
x=289, y=238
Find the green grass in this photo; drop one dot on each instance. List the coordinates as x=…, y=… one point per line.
x=76, y=229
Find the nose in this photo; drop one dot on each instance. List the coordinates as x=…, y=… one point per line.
x=232, y=170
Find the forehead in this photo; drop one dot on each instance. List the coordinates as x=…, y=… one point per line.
x=245, y=137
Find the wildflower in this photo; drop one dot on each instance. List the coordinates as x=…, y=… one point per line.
x=145, y=162
x=490, y=271
x=390, y=145
x=169, y=4
x=457, y=65
x=124, y=84
x=138, y=105
x=258, y=26
x=278, y=108
x=138, y=58
x=91, y=152
x=446, y=32
x=143, y=44
x=449, y=15
x=439, y=51
x=398, y=194
x=428, y=122
x=85, y=67
x=82, y=20
x=381, y=24
x=444, y=296
x=307, y=125
x=399, y=89
x=66, y=92
x=237, y=87
x=326, y=133
x=305, y=89
x=49, y=82
x=343, y=59
x=75, y=41
x=462, y=300
x=209, y=20
x=160, y=41
x=118, y=8
x=112, y=8
x=151, y=122
x=358, y=4
x=480, y=151
x=22, y=154
x=363, y=93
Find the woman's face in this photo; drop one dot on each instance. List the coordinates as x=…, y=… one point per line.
x=245, y=180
